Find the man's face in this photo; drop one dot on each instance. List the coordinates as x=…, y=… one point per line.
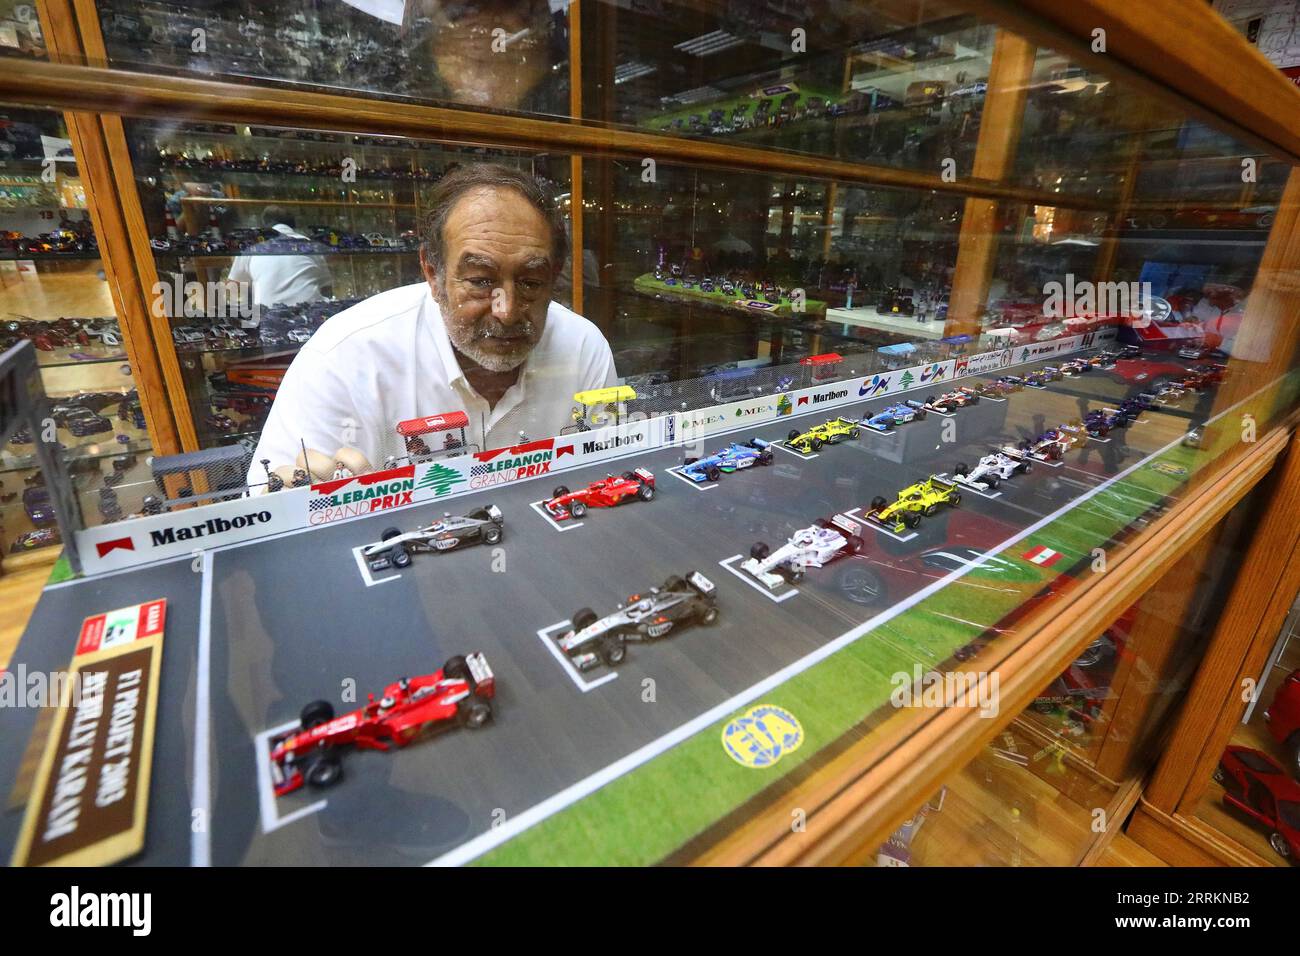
x=498, y=274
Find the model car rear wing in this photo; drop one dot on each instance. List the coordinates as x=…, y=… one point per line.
x=845, y=523
x=701, y=583
x=481, y=676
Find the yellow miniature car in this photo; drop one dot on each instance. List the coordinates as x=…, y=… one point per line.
x=922, y=498
x=827, y=433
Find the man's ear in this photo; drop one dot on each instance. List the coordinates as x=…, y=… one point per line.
x=430, y=273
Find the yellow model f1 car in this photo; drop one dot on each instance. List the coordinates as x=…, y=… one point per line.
x=922, y=498
x=827, y=433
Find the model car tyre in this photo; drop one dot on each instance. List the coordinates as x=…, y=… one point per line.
x=401, y=558
x=492, y=534
x=760, y=551
x=794, y=433
x=577, y=509
x=911, y=519
x=954, y=500
x=316, y=713
x=713, y=473
x=853, y=434
x=961, y=468
x=974, y=399
x=931, y=510
x=456, y=668
x=584, y=618
x=474, y=712
x=709, y=615
x=322, y=770
x=689, y=461
x=766, y=457
x=390, y=533
x=1220, y=777
x=920, y=414
x=1027, y=467
x=878, y=502
x=816, y=443
x=1278, y=843
x=992, y=481
x=793, y=575
x=854, y=544
x=646, y=492
x=862, y=586
x=613, y=650
x=560, y=491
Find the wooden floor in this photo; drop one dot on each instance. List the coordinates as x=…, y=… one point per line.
x=19, y=592
x=1122, y=851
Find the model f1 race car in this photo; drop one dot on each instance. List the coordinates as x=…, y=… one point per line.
x=991, y=470
x=922, y=498
x=395, y=547
x=1075, y=367
x=1100, y=421
x=957, y=398
x=813, y=547
x=458, y=695
x=899, y=414
x=643, y=617
x=638, y=485
x=827, y=433
x=734, y=457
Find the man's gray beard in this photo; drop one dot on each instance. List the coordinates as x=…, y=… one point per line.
x=468, y=345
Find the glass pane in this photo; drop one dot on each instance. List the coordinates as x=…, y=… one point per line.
x=53, y=293
x=488, y=54
x=20, y=30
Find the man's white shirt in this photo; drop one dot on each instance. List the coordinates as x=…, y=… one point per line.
x=389, y=359
x=283, y=279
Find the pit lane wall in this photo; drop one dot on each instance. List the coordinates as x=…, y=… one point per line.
x=191, y=531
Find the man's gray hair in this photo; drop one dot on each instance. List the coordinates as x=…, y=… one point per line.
x=448, y=191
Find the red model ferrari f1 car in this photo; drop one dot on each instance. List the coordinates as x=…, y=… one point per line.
x=636, y=485
x=458, y=695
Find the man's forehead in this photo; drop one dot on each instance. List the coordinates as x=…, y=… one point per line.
x=496, y=222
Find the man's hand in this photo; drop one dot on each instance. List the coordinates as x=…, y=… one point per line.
x=317, y=466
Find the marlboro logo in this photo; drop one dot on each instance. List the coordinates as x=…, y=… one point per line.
x=107, y=547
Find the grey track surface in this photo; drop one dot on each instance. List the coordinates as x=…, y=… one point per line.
x=292, y=620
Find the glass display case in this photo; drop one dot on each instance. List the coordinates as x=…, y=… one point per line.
x=941, y=352
x=53, y=293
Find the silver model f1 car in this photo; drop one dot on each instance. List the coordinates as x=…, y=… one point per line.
x=991, y=470
x=807, y=548
x=643, y=617
x=396, y=547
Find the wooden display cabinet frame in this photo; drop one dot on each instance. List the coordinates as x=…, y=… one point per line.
x=856, y=799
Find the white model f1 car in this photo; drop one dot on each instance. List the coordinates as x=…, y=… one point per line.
x=807, y=548
x=991, y=470
x=482, y=525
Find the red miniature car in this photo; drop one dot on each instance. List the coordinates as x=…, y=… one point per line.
x=1256, y=784
x=1205, y=376
x=605, y=493
x=460, y=693
x=1283, y=716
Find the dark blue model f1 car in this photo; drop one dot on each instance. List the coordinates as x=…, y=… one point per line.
x=734, y=457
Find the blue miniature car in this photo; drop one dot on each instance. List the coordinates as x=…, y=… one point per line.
x=899, y=414
x=734, y=457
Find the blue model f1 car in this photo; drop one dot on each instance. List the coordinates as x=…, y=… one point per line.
x=734, y=457
x=900, y=414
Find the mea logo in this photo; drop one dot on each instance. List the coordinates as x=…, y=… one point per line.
x=933, y=373
x=76, y=909
x=877, y=383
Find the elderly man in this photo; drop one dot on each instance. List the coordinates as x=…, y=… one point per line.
x=480, y=335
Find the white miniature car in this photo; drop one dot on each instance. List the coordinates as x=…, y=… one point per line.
x=991, y=470
x=807, y=548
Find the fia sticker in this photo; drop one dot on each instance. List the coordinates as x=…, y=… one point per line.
x=761, y=736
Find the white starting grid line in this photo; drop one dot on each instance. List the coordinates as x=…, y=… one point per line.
x=271, y=819
x=575, y=675
x=798, y=454
x=537, y=506
x=990, y=398
x=728, y=564
x=872, y=430
x=364, y=568
x=676, y=472
x=1100, y=441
